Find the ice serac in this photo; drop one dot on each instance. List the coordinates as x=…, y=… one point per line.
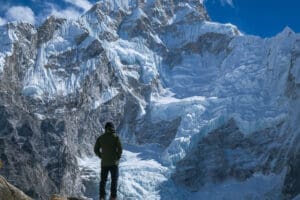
x=204, y=111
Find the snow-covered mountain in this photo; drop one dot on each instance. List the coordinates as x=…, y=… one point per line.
x=204, y=111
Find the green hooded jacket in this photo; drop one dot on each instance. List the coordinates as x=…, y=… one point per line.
x=108, y=148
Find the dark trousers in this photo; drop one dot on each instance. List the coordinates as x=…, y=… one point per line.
x=114, y=173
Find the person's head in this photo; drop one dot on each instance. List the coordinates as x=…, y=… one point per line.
x=109, y=126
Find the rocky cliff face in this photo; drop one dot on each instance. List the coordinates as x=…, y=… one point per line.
x=204, y=103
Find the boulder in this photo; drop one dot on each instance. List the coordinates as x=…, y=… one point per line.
x=10, y=192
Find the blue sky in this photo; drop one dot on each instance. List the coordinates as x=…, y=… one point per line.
x=257, y=17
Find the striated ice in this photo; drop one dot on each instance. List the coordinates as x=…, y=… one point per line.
x=105, y=96
x=190, y=32
x=7, y=38
x=134, y=53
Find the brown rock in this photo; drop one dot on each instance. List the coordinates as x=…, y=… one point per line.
x=10, y=192
x=57, y=197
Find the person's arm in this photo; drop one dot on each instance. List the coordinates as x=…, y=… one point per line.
x=97, y=148
x=119, y=148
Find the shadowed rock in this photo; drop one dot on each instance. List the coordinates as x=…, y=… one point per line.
x=162, y=133
x=228, y=153
x=47, y=29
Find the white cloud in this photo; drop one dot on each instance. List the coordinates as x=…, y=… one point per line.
x=229, y=2
x=23, y=13
x=68, y=13
x=53, y=9
x=2, y=21
x=84, y=4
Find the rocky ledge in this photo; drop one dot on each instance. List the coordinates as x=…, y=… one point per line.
x=10, y=192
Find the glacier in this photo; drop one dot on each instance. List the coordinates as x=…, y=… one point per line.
x=204, y=111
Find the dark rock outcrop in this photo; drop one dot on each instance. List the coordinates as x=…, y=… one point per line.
x=228, y=153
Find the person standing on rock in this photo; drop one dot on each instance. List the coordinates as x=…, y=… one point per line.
x=108, y=148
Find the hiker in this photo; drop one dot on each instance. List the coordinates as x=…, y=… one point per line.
x=108, y=148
